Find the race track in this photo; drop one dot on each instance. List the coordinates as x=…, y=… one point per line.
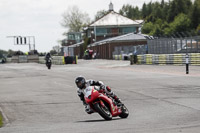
x=160, y=99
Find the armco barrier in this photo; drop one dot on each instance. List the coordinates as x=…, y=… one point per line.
x=163, y=59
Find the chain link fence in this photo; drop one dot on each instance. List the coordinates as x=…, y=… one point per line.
x=139, y=49
x=174, y=45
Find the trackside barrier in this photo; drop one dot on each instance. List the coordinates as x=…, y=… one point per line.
x=8, y=60
x=118, y=57
x=57, y=60
x=33, y=58
x=24, y=59
x=60, y=60
x=164, y=59
x=71, y=59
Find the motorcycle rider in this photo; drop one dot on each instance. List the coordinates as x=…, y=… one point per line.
x=47, y=57
x=82, y=84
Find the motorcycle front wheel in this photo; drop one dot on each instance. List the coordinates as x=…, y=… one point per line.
x=124, y=113
x=103, y=111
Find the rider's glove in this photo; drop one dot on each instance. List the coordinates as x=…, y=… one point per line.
x=103, y=87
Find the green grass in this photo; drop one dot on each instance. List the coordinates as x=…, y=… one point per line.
x=1, y=120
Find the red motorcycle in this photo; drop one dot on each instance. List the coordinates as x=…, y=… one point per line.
x=103, y=104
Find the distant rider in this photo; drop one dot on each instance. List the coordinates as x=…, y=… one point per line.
x=82, y=84
x=47, y=57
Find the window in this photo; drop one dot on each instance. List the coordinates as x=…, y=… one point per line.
x=127, y=30
x=101, y=31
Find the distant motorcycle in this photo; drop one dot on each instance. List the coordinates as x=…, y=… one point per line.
x=103, y=104
x=48, y=63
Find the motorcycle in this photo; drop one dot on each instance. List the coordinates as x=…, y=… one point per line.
x=48, y=63
x=104, y=104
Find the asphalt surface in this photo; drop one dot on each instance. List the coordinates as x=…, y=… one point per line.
x=160, y=99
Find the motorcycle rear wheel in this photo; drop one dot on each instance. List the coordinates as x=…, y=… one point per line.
x=103, y=111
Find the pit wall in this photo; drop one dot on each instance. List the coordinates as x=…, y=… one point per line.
x=164, y=59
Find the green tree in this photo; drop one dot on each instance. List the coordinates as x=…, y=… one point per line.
x=180, y=24
x=100, y=14
x=3, y=53
x=178, y=6
x=74, y=19
x=195, y=15
x=130, y=12
x=10, y=53
x=157, y=12
x=198, y=30
x=147, y=28
x=144, y=11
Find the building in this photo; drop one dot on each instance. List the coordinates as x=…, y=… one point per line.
x=126, y=45
x=72, y=38
x=110, y=25
x=111, y=35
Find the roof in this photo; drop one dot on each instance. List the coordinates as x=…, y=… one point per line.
x=113, y=18
x=126, y=37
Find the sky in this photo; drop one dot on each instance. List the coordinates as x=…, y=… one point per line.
x=42, y=18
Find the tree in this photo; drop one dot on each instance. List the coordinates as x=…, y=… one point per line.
x=144, y=11
x=181, y=23
x=178, y=6
x=53, y=52
x=198, y=30
x=195, y=16
x=10, y=53
x=100, y=14
x=147, y=28
x=3, y=53
x=74, y=19
x=57, y=48
x=130, y=12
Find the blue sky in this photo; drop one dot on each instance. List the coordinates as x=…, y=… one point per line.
x=41, y=18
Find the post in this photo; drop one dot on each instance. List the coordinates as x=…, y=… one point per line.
x=187, y=63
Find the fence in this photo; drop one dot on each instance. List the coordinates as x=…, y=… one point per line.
x=174, y=45
x=139, y=49
x=163, y=59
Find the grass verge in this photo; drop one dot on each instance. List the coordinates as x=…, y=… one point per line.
x=1, y=120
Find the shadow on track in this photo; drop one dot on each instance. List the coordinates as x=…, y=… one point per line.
x=101, y=120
